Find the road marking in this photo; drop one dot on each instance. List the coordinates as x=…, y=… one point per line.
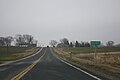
x=19, y=63
x=22, y=73
x=21, y=59
x=3, y=69
x=75, y=66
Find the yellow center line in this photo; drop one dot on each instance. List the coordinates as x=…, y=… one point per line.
x=22, y=73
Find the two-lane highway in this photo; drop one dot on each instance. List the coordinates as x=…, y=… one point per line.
x=43, y=66
x=9, y=70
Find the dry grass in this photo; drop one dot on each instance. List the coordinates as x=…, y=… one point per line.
x=15, y=56
x=108, y=59
x=106, y=63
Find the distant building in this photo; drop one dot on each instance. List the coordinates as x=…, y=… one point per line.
x=27, y=45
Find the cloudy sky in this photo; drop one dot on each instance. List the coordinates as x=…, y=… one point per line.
x=81, y=20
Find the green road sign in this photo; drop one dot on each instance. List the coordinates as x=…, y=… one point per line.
x=95, y=43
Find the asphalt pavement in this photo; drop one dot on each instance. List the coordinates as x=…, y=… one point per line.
x=42, y=66
x=9, y=70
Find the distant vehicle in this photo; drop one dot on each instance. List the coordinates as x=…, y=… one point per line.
x=47, y=46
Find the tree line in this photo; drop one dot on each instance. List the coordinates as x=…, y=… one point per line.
x=18, y=40
x=66, y=43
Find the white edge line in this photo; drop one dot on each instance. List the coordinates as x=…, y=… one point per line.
x=77, y=68
x=21, y=59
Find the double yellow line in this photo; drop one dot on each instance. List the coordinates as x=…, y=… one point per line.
x=22, y=73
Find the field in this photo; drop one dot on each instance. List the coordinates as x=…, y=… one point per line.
x=105, y=62
x=12, y=50
x=92, y=50
x=13, y=53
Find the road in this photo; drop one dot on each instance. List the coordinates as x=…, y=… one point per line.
x=42, y=66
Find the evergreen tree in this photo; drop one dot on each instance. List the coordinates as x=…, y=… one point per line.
x=82, y=44
x=71, y=44
x=87, y=44
x=77, y=44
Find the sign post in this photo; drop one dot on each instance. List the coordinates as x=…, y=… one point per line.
x=95, y=44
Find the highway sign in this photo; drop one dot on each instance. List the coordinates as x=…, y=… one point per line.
x=95, y=43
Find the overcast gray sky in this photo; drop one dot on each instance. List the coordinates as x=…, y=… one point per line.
x=81, y=20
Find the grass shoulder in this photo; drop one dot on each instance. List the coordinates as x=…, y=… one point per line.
x=15, y=53
x=105, y=63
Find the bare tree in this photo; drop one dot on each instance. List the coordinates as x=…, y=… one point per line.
x=86, y=44
x=2, y=42
x=77, y=44
x=110, y=43
x=65, y=41
x=19, y=39
x=28, y=39
x=53, y=43
x=71, y=44
x=24, y=39
x=6, y=41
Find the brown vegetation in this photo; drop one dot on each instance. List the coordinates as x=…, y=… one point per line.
x=105, y=64
x=108, y=59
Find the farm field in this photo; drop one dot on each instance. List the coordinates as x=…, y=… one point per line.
x=14, y=53
x=105, y=62
x=92, y=50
